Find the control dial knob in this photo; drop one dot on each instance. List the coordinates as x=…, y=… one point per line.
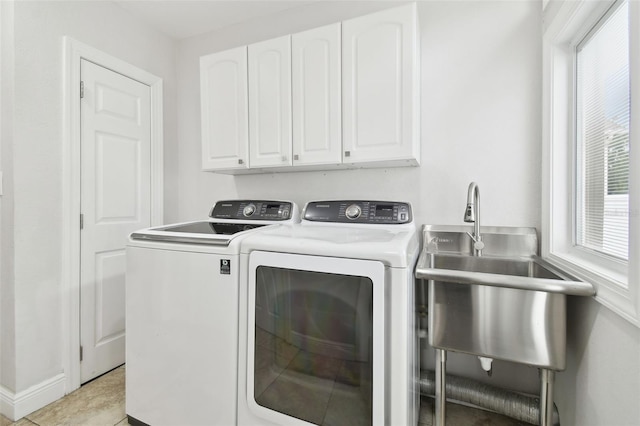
x=353, y=212
x=249, y=210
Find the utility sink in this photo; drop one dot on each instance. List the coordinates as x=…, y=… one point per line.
x=491, y=295
x=506, y=304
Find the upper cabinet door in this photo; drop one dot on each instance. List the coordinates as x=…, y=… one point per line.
x=270, y=102
x=317, y=117
x=223, y=91
x=381, y=87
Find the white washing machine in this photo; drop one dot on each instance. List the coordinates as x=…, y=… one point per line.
x=327, y=318
x=182, y=314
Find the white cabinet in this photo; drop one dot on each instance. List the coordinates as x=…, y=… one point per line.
x=316, y=96
x=225, y=125
x=270, y=103
x=343, y=95
x=380, y=88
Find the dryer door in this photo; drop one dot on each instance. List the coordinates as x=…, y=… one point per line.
x=315, y=349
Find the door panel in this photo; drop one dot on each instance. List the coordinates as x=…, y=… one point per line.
x=225, y=110
x=270, y=103
x=117, y=187
x=317, y=122
x=381, y=86
x=115, y=201
x=109, y=296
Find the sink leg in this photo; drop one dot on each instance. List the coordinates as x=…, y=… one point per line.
x=441, y=398
x=546, y=397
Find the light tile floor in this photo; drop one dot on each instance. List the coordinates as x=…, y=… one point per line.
x=98, y=403
x=102, y=403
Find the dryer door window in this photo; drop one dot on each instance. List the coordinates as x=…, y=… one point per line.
x=313, y=355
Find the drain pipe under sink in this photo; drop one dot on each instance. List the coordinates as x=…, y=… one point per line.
x=502, y=401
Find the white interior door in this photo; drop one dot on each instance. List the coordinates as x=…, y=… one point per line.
x=115, y=200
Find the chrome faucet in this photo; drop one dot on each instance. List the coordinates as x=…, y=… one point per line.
x=472, y=215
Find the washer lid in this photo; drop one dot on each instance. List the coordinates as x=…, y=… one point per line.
x=228, y=219
x=211, y=228
x=202, y=232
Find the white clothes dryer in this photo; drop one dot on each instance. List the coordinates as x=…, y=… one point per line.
x=182, y=314
x=327, y=318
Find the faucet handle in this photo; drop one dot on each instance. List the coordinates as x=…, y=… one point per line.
x=477, y=241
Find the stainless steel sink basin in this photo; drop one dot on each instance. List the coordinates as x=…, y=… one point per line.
x=507, y=304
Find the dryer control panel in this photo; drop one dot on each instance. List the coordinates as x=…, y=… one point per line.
x=358, y=211
x=252, y=210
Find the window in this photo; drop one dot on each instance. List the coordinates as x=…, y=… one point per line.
x=591, y=102
x=602, y=136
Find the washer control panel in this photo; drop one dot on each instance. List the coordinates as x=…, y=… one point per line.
x=351, y=211
x=252, y=210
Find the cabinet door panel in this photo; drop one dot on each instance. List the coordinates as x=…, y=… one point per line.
x=225, y=136
x=317, y=121
x=380, y=87
x=270, y=102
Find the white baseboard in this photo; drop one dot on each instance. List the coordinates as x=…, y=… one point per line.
x=17, y=405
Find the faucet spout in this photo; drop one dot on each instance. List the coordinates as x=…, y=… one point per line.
x=472, y=215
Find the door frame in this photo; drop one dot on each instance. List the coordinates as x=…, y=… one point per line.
x=74, y=52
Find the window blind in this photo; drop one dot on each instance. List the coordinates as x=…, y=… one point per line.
x=602, y=136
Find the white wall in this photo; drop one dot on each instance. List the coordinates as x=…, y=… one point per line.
x=601, y=385
x=481, y=91
x=33, y=226
x=7, y=340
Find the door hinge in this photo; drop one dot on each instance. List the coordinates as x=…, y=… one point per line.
x=81, y=221
x=81, y=353
x=81, y=89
